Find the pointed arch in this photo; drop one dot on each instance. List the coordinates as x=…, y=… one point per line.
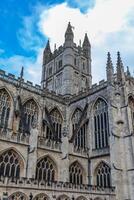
x=58, y=110
x=29, y=116
x=81, y=198
x=80, y=138
x=46, y=169
x=5, y=107
x=9, y=92
x=18, y=196
x=56, y=122
x=11, y=164
x=102, y=174
x=76, y=173
x=74, y=109
x=63, y=197
x=101, y=124
x=41, y=196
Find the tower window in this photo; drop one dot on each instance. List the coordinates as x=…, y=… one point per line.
x=60, y=64
x=74, y=61
x=50, y=71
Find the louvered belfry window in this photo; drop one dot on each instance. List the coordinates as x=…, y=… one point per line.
x=101, y=124
x=9, y=164
x=4, y=108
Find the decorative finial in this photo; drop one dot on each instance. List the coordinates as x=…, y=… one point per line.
x=109, y=68
x=120, y=69
x=54, y=46
x=128, y=71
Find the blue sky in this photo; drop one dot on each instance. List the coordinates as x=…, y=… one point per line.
x=26, y=25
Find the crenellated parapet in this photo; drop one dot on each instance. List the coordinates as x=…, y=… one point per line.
x=32, y=184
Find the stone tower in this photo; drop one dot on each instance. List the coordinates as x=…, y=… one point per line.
x=67, y=71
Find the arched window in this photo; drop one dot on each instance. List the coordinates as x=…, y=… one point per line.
x=81, y=198
x=75, y=174
x=18, y=196
x=45, y=170
x=80, y=138
x=63, y=197
x=131, y=105
x=29, y=116
x=10, y=164
x=56, y=119
x=103, y=175
x=101, y=124
x=41, y=196
x=5, y=104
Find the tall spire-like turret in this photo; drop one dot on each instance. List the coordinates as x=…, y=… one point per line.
x=120, y=69
x=128, y=71
x=47, y=53
x=109, y=68
x=86, y=47
x=69, y=36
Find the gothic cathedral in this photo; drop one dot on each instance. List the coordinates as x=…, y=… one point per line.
x=67, y=139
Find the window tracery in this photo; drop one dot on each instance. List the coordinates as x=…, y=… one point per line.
x=80, y=138
x=41, y=197
x=18, y=196
x=9, y=164
x=56, y=119
x=5, y=104
x=45, y=170
x=75, y=174
x=29, y=116
x=103, y=175
x=101, y=124
x=63, y=197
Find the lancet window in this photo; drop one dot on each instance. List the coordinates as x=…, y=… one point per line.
x=45, y=170
x=10, y=164
x=18, y=196
x=75, y=174
x=56, y=120
x=80, y=138
x=101, y=124
x=29, y=116
x=5, y=104
x=103, y=175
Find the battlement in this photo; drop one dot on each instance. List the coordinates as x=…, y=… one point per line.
x=26, y=183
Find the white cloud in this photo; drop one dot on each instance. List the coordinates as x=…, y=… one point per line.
x=106, y=23
x=32, y=66
x=109, y=25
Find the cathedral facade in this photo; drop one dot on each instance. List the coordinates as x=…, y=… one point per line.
x=67, y=139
